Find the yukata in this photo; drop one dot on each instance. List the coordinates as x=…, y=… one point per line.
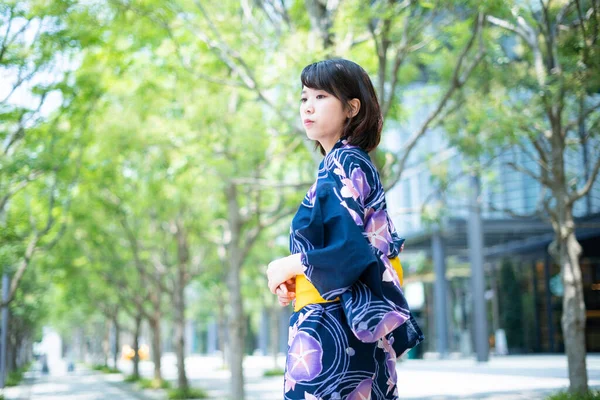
x=346, y=347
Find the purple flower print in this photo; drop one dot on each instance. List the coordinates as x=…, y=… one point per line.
x=293, y=330
x=289, y=383
x=361, y=184
x=312, y=192
x=355, y=216
x=390, y=361
x=304, y=360
x=377, y=230
x=388, y=323
x=362, y=391
x=356, y=186
x=308, y=396
x=348, y=190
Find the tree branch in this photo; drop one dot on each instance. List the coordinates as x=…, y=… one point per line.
x=457, y=82
x=16, y=279
x=588, y=185
x=584, y=115
x=21, y=185
x=529, y=173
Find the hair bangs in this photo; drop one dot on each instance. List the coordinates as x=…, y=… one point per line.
x=319, y=76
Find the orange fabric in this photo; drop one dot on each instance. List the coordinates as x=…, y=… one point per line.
x=306, y=293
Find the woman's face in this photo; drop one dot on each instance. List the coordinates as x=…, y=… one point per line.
x=323, y=115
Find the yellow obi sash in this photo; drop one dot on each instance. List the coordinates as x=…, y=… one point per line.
x=306, y=293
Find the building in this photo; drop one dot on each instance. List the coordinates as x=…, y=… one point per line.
x=520, y=242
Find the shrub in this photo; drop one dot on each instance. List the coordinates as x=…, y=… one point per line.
x=274, y=372
x=106, y=369
x=132, y=379
x=189, y=393
x=14, y=378
x=153, y=384
x=591, y=395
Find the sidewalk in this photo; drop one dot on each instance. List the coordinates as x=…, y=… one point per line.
x=529, y=377
x=502, y=378
x=82, y=384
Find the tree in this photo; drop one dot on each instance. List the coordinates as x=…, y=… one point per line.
x=244, y=64
x=538, y=92
x=41, y=142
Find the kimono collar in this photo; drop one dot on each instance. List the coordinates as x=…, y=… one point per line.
x=340, y=143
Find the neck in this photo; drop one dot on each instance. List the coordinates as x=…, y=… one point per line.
x=328, y=144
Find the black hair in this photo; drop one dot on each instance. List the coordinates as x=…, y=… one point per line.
x=347, y=80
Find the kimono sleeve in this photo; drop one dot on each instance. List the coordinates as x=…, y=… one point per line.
x=342, y=253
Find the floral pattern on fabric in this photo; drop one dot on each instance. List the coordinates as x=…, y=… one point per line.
x=346, y=240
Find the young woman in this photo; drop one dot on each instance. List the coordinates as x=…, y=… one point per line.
x=351, y=319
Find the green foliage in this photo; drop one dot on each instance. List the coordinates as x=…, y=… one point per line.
x=190, y=393
x=145, y=383
x=106, y=369
x=132, y=379
x=511, y=306
x=14, y=378
x=591, y=395
x=274, y=372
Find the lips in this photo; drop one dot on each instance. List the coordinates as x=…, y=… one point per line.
x=308, y=122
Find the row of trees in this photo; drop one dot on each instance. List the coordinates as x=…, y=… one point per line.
x=153, y=146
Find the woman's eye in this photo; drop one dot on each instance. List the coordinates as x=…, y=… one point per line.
x=302, y=100
x=321, y=96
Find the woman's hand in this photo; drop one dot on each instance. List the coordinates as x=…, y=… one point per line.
x=282, y=269
x=286, y=292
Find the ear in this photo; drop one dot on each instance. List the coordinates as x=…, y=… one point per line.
x=354, y=108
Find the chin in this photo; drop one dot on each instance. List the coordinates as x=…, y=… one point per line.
x=311, y=136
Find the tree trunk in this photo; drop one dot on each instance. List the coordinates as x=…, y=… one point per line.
x=274, y=336
x=179, y=301
x=116, y=349
x=236, y=335
x=236, y=316
x=106, y=342
x=156, y=346
x=566, y=250
x=11, y=364
x=222, y=328
x=136, y=346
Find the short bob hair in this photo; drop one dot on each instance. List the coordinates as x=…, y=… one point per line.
x=347, y=80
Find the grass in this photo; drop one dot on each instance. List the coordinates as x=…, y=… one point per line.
x=132, y=379
x=105, y=369
x=591, y=395
x=153, y=384
x=274, y=372
x=190, y=393
x=15, y=377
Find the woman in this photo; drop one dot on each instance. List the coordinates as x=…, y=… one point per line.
x=351, y=319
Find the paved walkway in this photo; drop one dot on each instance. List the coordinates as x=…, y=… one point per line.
x=82, y=385
x=502, y=378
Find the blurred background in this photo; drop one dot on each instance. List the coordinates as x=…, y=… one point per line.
x=152, y=157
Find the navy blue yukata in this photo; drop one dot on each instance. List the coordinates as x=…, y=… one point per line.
x=347, y=349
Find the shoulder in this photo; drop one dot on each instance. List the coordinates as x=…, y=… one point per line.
x=350, y=159
x=351, y=170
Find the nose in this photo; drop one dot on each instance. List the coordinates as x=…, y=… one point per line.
x=308, y=107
